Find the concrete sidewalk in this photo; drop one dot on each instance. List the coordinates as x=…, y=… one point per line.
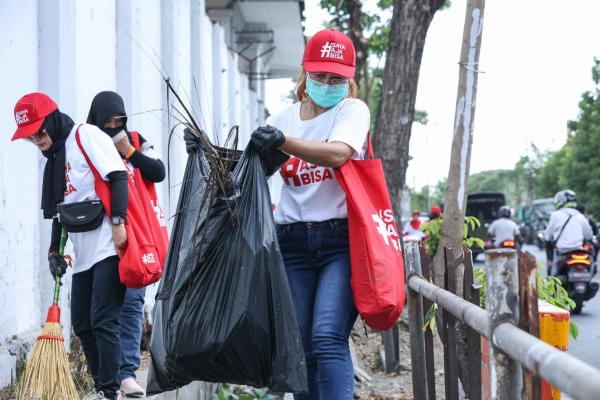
x=193, y=391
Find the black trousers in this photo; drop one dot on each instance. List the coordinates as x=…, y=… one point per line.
x=96, y=301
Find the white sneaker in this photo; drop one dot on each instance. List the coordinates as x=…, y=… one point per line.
x=100, y=396
x=130, y=388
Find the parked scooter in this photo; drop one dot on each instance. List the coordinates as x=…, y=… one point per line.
x=576, y=269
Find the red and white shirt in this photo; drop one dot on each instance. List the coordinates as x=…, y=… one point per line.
x=310, y=193
x=93, y=246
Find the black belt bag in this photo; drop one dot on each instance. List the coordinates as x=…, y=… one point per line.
x=82, y=216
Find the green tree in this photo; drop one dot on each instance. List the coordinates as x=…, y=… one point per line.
x=548, y=180
x=423, y=199
x=580, y=169
x=577, y=164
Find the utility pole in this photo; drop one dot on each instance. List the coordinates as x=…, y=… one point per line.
x=460, y=160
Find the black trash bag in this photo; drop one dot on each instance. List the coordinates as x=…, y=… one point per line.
x=224, y=312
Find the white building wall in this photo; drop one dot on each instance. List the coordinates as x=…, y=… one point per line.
x=201, y=72
x=207, y=80
x=71, y=50
x=138, y=68
x=220, y=84
x=246, y=125
x=176, y=56
x=233, y=103
x=19, y=193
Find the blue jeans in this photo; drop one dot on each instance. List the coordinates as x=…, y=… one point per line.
x=317, y=263
x=132, y=321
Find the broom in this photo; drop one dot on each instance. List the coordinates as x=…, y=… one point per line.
x=48, y=375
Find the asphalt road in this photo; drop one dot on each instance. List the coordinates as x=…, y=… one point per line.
x=587, y=345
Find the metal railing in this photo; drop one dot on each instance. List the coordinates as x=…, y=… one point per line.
x=510, y=347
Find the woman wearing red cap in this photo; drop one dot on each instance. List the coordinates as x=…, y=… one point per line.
x=96, y=291
x=325, y=128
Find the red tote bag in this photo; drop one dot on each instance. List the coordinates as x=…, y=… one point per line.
x=140, y=264
x=154, y=213
x=375, y=250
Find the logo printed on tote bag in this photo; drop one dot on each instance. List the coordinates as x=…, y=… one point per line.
x=148, y=258
x=387, y=228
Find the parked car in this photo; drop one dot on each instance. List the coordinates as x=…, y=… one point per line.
x=484, y=206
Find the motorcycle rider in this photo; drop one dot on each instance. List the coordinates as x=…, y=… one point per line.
x=567, y=229
x=504, y=228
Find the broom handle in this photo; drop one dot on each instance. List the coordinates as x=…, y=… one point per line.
x=61, y=251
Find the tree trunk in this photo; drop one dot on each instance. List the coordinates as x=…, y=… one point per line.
x=409, y=25
x=458, y=174
x=355, y=33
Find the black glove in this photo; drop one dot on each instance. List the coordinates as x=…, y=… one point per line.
x=57, y=264
x=191, y=140
x=267, y=138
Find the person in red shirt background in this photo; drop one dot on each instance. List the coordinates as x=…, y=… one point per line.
x=412, y=227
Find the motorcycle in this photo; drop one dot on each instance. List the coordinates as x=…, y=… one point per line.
x=575, y=270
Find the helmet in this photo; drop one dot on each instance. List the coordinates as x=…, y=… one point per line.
x=563, y=197
x=504, y=212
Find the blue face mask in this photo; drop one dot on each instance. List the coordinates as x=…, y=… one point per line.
x=324, y=95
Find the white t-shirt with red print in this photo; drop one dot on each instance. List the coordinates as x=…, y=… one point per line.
x=93, y=246
x=310, y=193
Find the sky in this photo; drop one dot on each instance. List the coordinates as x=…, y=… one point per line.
x=536, y=60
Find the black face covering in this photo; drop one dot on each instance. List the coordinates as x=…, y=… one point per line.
x=105, y=105
x=58, y=126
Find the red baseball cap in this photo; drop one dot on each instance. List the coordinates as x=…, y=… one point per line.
x=330, y=51
x=30, y=112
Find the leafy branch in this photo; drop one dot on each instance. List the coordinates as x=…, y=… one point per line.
x=549, y=289
x=433, y=231
x=231, y=392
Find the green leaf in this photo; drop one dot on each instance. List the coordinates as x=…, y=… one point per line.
x=430, y=319
x=573, y=330
x=479, y=242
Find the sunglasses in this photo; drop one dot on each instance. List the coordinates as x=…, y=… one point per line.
x=324, y=78
x=38, y=135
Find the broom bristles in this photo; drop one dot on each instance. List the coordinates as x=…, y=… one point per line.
x=48, y=375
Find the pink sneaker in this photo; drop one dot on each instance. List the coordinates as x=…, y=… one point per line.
x=130, y=388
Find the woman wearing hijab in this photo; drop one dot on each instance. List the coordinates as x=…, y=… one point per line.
x=107, y=112
x=96, y=292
